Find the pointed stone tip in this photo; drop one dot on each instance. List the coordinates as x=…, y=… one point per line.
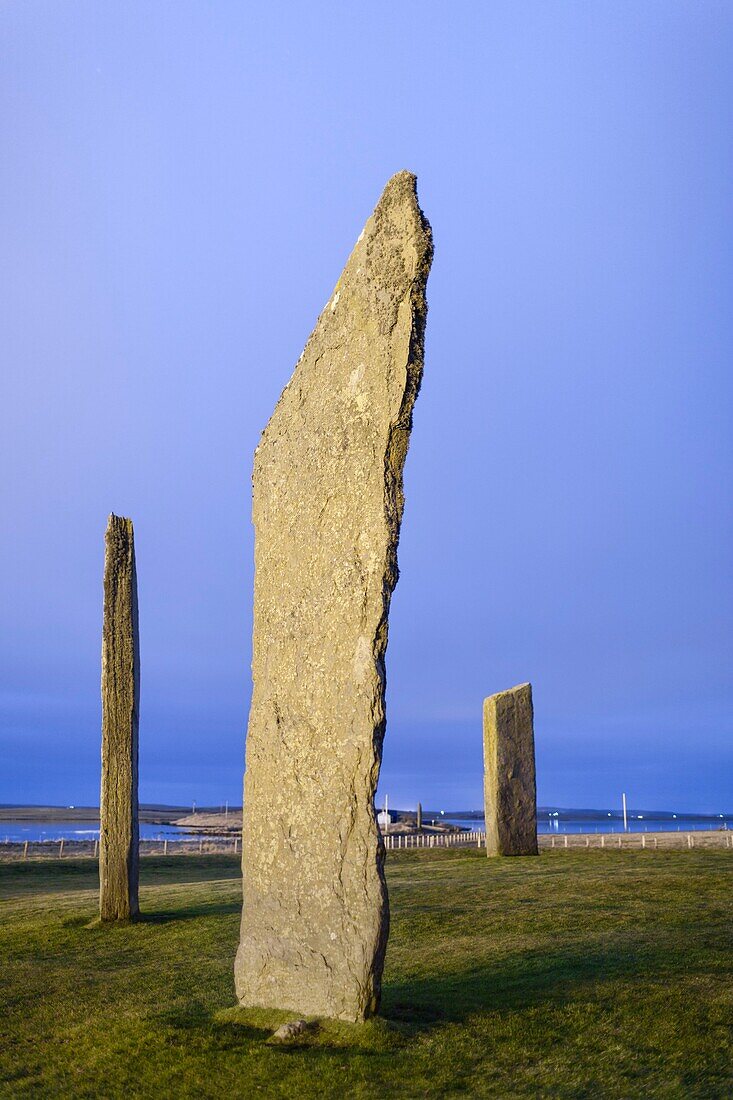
x=399, y=204
x=119, y=529
x=402, y=186
x=404, y=178
x=509, y=691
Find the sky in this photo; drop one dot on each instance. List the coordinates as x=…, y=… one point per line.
x=180, y=186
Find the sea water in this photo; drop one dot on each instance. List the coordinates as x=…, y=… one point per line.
x=17, y=832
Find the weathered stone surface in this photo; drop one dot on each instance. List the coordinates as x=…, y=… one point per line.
x=510, y=793
x=118, y=808
x=327, y=509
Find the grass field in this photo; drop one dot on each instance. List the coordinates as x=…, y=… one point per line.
x=590, y=974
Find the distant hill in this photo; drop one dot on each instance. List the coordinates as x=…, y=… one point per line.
x=152, y=813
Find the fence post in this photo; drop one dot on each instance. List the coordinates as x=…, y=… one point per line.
x=566, y=840
x=587, y=842
x=603, y=841
x=165, y=847
x=61, y=847
x=25, y=850
x=201, y=844
x=96, y=848
x=553, y=841
x=643, y=841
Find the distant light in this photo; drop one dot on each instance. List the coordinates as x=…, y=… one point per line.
x=609, y=815
x=720, y=815
x=72, y=807
x=641, y=817
x=674, y=815
x=556, y=814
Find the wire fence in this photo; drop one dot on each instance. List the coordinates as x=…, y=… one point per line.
x=399, y=842
x=60, y=849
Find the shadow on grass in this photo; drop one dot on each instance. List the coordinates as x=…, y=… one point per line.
x=190, y=912
x=527, y=980
x=236, y=1028
x=49, y=876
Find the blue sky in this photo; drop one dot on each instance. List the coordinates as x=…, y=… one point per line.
x=180, y=186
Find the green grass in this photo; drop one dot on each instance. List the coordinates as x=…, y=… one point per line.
x=592, y=974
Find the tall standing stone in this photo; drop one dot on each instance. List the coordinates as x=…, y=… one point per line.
x=510, y=791
x=118, y=837
x=327, y=509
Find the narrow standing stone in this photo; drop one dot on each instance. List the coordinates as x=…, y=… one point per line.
x=510, y=793
x=327, y=509
x=118, y=847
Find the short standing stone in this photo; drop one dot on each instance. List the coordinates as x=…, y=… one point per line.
x=286, y=1032
x=118, y=807
x=510, y=794
x=327, y=509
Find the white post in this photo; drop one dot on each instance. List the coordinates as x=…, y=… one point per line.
x=165, y=847
x=61, y=848
x=566, y=840
x=626, y=827
x=25, y=850
x=643, y=841
x=603, y=841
